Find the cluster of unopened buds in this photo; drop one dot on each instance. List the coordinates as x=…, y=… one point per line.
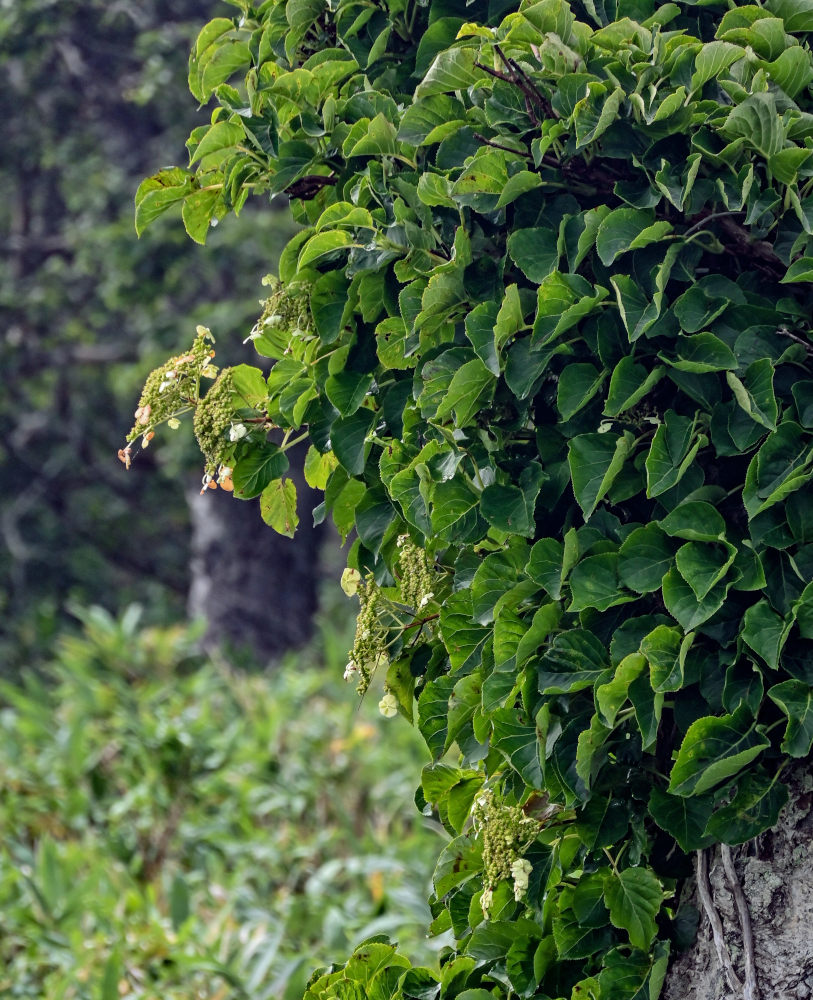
x=370, y=643
x=170, y=389
x=287, y=309
x=417, y=580
x=506, y=833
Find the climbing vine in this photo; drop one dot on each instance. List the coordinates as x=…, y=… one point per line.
x=546, y=328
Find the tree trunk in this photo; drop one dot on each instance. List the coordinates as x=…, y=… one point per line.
x=256, y=590
x=775, y=872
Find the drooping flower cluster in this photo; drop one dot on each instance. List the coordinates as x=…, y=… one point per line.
x=213, y=420
x=370, y=643
x=506, y=832
x=171, y=389
x=417, y=574
x=286, y=315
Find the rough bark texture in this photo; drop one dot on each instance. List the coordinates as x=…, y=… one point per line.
x=255, y=589
x=776, y=874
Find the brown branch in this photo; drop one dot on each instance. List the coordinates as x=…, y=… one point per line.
x=499, y=145
x=420, y=622
x=309, y=186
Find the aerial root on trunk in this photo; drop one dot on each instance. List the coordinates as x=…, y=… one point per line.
x=751, y=991
x=723, y=954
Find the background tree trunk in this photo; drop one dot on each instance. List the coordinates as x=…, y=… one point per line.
x=776, y=874
x=256, y=590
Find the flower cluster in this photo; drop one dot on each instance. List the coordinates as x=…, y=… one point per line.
x=370, y=644
x=170, y=389
x=286, y=314
x=417, y=575
x=214, y=415
x=506, y=833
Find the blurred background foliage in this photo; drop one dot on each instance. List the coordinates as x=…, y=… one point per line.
x=171, y=826
x=175, y=829
x=95, y=98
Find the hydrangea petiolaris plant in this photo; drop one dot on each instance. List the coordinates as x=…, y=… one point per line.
x=550, y=326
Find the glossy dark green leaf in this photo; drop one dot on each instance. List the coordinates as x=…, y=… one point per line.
x=715, y=749
x=595, y=583
x=535, y=252
x=795, y=698
x=682, y=603
x=645, y=557
x=672, y=451
x=634, y=898
x=683, y=818
x=257, y=469
x=595, y=462
x=765, y=632
x=753, y=809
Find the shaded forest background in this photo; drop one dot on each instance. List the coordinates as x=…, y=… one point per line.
x=96, y=99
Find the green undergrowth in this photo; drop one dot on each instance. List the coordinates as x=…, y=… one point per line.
x=175, y=829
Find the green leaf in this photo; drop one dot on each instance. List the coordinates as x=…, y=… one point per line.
x=594, y=583
x=779, y=468
x=278, y=507
x=158, y=193
x=249, y=385
x=711, y=59
x=755, y=392
x=671, y=453
x=665, y=649
x=519, y=744
x=218, y=63
x=578, y=383
x=610, y=697
x=347, y=390
x=715, y=749
x=627, y=229
x=349, y=439
x=451, y=70
x=252, y=473
x=220, y=140
x=458, y=862
x=544, y=621
x=629, y=383
x=694, y=520
x=634, y=898
x=433, y=712
x=374, y=514
x=645, y=557
x=702, y=352
x=682, y=603
x=765, y=632
x=480, y=331
x=466, y=392
x=574, y=661
x=704, y=564
x=520, y=183
x=595, y=461
x=594, y=114
x=318, y=468
x=754, y=809
x=757, y=120
x=535, y=252
x=795, y=698
x=683, y=818
x=545, y=565
x=799, y=270
x=505, y=508
x=322, y=244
